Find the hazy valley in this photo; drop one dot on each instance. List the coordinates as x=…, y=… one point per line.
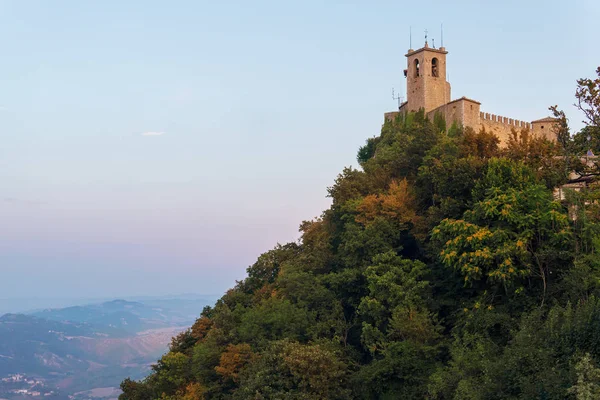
x=83, y=352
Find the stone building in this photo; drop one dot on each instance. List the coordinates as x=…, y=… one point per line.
x=428, y=89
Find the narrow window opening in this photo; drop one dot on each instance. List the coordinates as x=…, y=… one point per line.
x=417, y=72
x=434, y=68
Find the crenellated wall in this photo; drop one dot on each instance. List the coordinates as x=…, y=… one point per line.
x=466, y=112
x=502, y=126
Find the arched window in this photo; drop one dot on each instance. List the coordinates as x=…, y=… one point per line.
x=435, y=68
x=417, y=72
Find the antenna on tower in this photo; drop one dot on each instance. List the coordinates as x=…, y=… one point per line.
x=410, y=37
x=425, y=36
x=442, y=33
x=399, y=98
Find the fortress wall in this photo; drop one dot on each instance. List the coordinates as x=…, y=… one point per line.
x=545, y=129
x=450, y=113
x=390, y=116
x=463, y=111
x=471, y=114
x=466, y=112
x=502, y=126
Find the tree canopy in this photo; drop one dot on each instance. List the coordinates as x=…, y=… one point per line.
x=444, y=269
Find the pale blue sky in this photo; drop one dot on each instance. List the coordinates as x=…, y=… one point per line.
x=261, y=104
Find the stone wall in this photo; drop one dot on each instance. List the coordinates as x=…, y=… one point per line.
x=502, y=126
x=463, y=111
x=545, y=128
x=426, y=90
x=390, y=116
x=466, y=112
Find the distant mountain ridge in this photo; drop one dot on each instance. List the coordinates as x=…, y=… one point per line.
x=129, y=316
x=80, y=348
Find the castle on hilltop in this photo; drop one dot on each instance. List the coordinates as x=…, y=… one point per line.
x=427, y=88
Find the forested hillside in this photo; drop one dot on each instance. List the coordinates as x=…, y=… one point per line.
x=444, y=269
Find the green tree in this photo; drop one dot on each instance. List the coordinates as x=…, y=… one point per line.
x=588, y=380
x=510, y=236
x=588, y=98
x=290, y=370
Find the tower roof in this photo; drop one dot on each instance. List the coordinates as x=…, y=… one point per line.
x=441, y=50
x=464, y=99
x=547, y=119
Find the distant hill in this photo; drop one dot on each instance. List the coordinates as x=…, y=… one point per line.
x=35, y=345
x=131, y=316
x=127, y=315
x=81, y=348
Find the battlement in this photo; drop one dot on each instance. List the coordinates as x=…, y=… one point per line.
x=502, y=127
x=488, y=119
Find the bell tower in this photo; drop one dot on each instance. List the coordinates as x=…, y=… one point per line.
x=426, y=85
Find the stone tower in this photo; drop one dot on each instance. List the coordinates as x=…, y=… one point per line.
x=426, y=85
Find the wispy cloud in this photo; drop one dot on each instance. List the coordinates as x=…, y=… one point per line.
x=13, y=200
x=152, y=133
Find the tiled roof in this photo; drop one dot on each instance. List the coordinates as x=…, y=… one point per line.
x=464, y=98
x=547, y=119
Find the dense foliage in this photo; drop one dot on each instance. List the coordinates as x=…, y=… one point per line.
x=444, y=269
